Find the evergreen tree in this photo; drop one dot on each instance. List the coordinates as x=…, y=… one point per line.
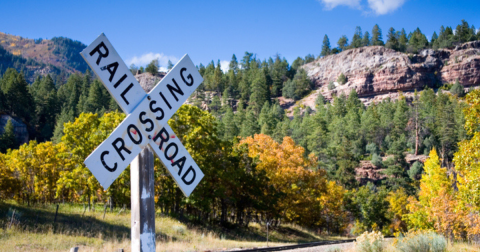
x=341, y=79
x=325, y=46
x=250, y=125
x=259, y=92
x=230, y=127
x=357, y=38
x=18, y=100
x=457, y=89
x=46, y=108
x=97, y=100
x=417, y=41
x=396, y=174
x=402, y=41
x=366, y=39
x=464, y=33
x=233, y=65
x=152, y=67
x=342, y=43
x=320, y=101
x=215, y=105
x=169, y=65
x=392, y=39
x=434, y=38
x=377, y=36
x=7, y=139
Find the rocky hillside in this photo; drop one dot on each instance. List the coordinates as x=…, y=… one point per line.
x=377, y=70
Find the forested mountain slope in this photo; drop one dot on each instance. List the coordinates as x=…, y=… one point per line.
x=58, y=56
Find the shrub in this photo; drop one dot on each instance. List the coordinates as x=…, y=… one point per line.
x=369, y=242
x=415, y=170
x=421, y=241
x=376, y=160
x=372, y=148
x=457, y=89
x=342, y=79
x=331, y=86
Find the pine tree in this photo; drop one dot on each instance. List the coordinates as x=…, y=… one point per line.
x=259, y=91
x=377, y=36
x=18, y=100
x=230, y=127
x=169, y=65
x=96, y=101
x=392, y=39
x=325, y=46
x=152, y=67
x=457, y=89
x=8, y=140
x=342, y=43
x=233, y=64
x=357, y=38
x=250, y=125
x=402, y=41
x=366, y=39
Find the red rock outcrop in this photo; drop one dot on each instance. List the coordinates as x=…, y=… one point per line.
x=377, y=70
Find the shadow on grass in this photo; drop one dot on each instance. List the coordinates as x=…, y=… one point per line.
x=241, y=233
x=42, y=221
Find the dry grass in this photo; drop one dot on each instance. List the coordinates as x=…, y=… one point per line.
x=33, y=230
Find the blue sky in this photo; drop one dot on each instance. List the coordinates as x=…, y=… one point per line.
x=214, y=30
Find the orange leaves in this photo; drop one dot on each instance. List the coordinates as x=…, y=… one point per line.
x=290, y=172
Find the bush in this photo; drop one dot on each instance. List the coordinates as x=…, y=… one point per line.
x=331, y=86
x=376, y=160
x=372, y=148
x=457, y=89
x=421, y=241
x=152, y=67
x=415, y=170
x=369, y=242
x=342, y=79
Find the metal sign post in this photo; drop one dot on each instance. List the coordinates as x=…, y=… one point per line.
x=144, y=130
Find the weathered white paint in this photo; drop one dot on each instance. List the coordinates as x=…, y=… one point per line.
x=148, y=241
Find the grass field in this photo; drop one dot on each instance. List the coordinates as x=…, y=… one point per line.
x=33, y=229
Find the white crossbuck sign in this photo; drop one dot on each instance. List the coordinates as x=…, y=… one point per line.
x=146, y=123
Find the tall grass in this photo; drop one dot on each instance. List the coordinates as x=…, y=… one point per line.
x=33, y=229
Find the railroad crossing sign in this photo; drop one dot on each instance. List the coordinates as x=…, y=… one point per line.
x=148, y=114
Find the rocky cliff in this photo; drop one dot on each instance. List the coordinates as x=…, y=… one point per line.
x=377, y=70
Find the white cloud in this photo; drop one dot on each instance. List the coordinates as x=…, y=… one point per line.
x=381, y=7
x=330, y=4
x=224, y=65
x=148, y=57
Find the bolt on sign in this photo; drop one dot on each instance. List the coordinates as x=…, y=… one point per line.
x=147, y=117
